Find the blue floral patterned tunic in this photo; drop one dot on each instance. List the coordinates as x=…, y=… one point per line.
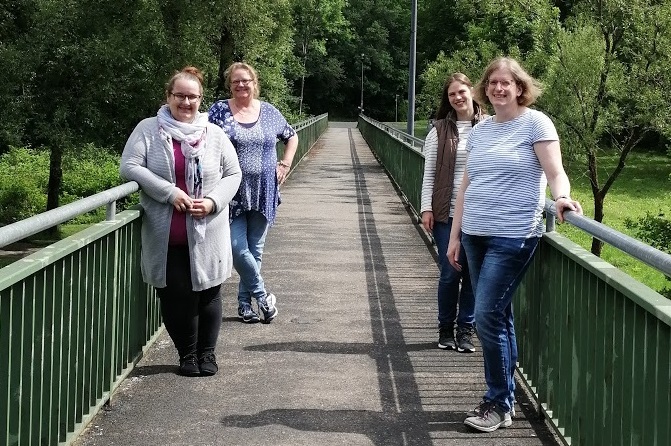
x=255, y=144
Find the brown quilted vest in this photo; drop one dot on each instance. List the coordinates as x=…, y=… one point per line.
x=446, y=157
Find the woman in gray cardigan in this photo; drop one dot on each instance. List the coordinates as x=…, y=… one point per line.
x=188, y=172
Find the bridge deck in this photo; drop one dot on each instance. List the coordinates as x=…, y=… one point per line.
x=351, y=358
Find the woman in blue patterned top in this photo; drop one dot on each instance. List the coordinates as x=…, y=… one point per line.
x=498, y=220
x=253, y=127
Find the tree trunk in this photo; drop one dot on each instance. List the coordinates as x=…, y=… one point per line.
x=225, y=60
x=55, y=180
x=597, y=245
x=305, y=60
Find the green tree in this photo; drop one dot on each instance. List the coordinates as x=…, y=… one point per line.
x=258, y=32
x=486, y=29
x=383, y=39
x=609, y=86
x=314, y=22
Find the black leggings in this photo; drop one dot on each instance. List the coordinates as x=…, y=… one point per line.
x=192, y=318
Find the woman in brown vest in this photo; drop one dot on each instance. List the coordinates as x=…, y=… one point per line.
x=445, y=161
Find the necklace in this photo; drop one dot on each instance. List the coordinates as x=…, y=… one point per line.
x=246, y=111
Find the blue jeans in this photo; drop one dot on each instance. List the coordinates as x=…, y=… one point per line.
x=497, y=266
x=448, y=283
x=248, y=236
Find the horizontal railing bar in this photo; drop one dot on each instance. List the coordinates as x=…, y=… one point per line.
x=308, y=122
x=37, y=223
x=413, y=142
x=647, y=254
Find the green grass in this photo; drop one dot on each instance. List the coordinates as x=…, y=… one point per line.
x=643, y=186
x=420, y=127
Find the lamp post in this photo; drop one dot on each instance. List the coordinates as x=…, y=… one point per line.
x=411, y=74
x=396, y=108
x=361, y=106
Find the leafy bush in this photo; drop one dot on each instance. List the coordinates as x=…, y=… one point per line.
x=88, y=170
x=24, y=175
x=655, y=230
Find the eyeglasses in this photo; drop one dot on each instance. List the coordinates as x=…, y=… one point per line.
x=242, y=82
x=182, y=97
x=504, y=84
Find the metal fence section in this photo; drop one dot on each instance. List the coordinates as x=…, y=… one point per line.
x=75, y=317
x=409, y=140
x=308, y=133
x=594, y=344
x=594, y=348
x=403, y=161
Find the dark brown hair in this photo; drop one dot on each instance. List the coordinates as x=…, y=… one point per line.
x=445, y=109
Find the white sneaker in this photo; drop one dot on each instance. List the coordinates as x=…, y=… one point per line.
x=267, y=307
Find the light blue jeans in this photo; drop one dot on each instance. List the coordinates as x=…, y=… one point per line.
x=248, y=236
x=450, y=294
x=497, y=265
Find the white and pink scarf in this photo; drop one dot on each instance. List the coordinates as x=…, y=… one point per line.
x=193, y=140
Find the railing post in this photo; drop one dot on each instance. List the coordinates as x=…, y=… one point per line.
x=111, y=211
x=549, y=222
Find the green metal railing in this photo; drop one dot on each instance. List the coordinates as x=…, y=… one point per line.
x=594, y=344
x=75, y=317
x=403, y=161
x=309, y=132
x=594, y=348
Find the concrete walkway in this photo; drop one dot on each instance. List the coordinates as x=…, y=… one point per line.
x=351, y=358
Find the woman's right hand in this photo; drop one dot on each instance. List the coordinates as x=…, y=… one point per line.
x=427, y=220
x=453, y=250
x=182, y=201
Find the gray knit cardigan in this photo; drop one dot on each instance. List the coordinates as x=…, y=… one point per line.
x=147, y=160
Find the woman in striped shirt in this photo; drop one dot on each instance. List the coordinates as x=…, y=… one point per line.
x=512, y=157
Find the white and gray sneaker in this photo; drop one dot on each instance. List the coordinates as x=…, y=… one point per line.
x=267, y=307
x=476, y=412
x=489, y=418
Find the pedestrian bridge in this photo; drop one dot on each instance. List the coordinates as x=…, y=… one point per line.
x=351, y=358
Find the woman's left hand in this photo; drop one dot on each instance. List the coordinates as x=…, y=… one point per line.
x=282, y=172
x=201, y=207
x=566, y=204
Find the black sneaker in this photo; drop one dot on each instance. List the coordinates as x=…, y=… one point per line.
x=208, y=364
x=267, y=307
x=188, y=365
x=446, y=338
x=247, y=314
x=465, y=339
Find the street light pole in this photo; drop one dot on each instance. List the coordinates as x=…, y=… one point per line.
x=411, y=75
x=396, y=108
x=361, y=106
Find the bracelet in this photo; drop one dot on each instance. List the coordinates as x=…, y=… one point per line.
x=214, y=205
x=282, y=163
x=566, y=197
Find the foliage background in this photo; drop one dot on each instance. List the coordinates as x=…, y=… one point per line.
x=80, y=74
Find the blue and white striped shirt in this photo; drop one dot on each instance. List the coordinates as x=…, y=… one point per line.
x=506, y=193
